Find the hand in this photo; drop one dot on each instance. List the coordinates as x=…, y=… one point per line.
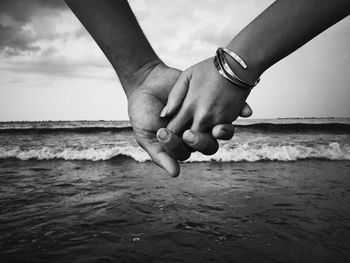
x=145, y=103
x=202, y=98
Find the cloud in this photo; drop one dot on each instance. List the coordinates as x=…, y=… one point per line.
x=14, y=40
x=183, y=35
x=19, y=27
x=61, y=66
x=184, y=32
x=23, y=10
x=51, y=68
x=44, y=37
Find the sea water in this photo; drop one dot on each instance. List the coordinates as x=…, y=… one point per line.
x=279, y=191
x=276, y=140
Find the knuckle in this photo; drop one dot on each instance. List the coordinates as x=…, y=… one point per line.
x=203, y=115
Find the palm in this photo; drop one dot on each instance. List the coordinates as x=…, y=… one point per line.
x=145, y=105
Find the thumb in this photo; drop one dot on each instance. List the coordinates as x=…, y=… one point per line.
x=165, y=161
x=159, y=156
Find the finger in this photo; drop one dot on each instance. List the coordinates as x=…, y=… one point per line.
x=179, y=123
x=161, y=157
x=165, y=161
x=223, y=131
x=201, y=142
x=176, y=95
x=173, y=144
x=246, y=111
x=201, y=123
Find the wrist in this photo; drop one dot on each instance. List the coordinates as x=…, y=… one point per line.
x=250, y=75
x=134, y=79
x=253, y=57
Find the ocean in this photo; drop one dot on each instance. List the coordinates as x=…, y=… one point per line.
x=84, y=191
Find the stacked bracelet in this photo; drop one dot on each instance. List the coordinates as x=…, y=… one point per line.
x=225, y=70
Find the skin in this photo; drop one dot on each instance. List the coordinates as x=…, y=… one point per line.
x=146, y=80
x=145, y=104
x=205, y=98
x=202, y=98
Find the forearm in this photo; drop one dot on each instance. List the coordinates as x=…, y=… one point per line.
x=115, y=29
x=281, y=29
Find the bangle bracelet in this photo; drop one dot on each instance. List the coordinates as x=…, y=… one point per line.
x=221, y=70
x=234, y=56
x=222, y=73
x=227, y=72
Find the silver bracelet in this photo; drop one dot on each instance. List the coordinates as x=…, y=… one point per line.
x=222, y=73
x=227, y=72
x=234, y=56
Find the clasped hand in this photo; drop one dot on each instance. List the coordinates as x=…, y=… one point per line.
x=200, y=109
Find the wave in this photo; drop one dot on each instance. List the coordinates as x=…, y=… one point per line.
x=260, y=127
x=245, y=152
x=297, y=127
x=96, y=129
x=264, y=125
x=239, y=153
x=91, y=154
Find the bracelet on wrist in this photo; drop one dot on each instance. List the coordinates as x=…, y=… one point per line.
x=226, y=71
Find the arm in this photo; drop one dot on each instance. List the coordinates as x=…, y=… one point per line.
x=206, y=97
x=145, y=79
x=115, y=29
x=281, y=29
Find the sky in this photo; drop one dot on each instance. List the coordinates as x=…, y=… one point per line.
x=51, y=69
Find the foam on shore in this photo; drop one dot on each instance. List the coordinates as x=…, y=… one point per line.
x=239, y=153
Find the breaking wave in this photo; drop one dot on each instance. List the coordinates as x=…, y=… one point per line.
x=238, y=153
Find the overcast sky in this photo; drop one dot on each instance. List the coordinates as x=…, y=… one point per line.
x=51, y=69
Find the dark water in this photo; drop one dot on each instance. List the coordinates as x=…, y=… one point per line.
x=123, y=211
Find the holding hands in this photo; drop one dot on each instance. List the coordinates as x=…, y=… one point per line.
x=174, y=113
x=202, y=98
x=145, y=104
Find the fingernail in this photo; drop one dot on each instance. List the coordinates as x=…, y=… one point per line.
x=191, y=137
x=162, y=134
x=164, y=112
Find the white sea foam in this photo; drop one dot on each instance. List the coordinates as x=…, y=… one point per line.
x=47, y=153
x=245, y=152
x=241, y=152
